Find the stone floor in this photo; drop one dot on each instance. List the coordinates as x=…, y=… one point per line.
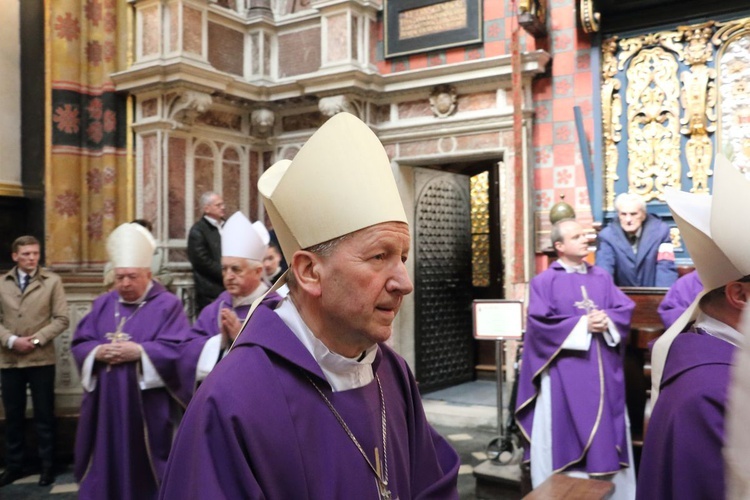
x=466, y=415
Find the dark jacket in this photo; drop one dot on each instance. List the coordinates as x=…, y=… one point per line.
x=204, y=253
x=653, y=265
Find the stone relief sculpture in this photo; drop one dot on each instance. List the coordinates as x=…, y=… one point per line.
x=185, y=108
x=443, y=101
x=329, y=106
x=261, y=122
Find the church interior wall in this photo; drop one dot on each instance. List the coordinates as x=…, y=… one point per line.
x=10, y=101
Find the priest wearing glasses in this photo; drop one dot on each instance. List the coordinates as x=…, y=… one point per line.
x=126, y=349
x=310, y=402
x=243, y=247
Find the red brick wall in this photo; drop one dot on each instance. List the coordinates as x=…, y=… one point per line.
x=225, y=49
x=299, y=52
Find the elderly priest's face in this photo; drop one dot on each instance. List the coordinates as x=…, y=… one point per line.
x=241, y=276
x=362, y=283
x=131, y=282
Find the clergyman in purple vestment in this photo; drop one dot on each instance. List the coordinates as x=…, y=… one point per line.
x=682, y=451
x=571, y=395
x=127, y=349
x=685, y=451
x=679, y=297
x=243, y=246
x=310, y=403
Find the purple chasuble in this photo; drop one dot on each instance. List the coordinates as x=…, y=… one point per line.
x=257, y=428
x=679, y=297
x=682, y=453
x=206, y=326
x=125, y=433
x=587, y=387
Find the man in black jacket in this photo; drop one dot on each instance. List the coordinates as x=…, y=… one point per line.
x=204, y=250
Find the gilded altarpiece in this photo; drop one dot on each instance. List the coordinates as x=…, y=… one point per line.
x=671, y=100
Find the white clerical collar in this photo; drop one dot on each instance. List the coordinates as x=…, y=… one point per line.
x=139, y=299
x=217, y=224
x=249, y=299
x=718, y=329
x=341, y=372
x=580, y=268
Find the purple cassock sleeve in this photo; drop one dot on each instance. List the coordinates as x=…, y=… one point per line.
x=257, y=428
x=587, y=387
x=679, y=297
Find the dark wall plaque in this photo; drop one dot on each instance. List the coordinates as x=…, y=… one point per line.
x=423, y=25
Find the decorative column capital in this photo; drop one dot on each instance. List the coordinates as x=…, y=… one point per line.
x=332, y=105
x=186, y=107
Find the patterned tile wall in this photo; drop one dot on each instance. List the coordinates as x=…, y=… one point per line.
x=558, y=169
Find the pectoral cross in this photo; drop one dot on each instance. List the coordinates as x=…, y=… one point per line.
x=586, y=304
x=385, y=493
x=117, y=336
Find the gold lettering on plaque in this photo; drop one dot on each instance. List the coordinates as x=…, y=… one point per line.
x=432, y=19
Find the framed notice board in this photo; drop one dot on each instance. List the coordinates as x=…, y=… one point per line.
x=498, y=319
x=424, y=25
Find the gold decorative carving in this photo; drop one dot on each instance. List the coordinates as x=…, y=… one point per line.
x=733, y=66
x=698, y=51
x=532, y=16
x=653, y=123
x=611, y=114
x=480, y=229
x=674, y=235
x=665, y=104
x=699, y=103
x=589, y=18
x=669, y=40
x=730, y=29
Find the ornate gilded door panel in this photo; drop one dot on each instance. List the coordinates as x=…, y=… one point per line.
x=670, y=101
x=444, y=344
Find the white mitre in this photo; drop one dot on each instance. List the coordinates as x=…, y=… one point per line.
x=131, y=245
x=241, y=238
x=339, y=182
x=717, y=245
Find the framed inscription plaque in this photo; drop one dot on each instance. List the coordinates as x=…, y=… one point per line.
x=423, y=25
x=498, y=319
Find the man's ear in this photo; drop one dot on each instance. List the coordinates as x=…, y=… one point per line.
x=305, y=266
x=737, y=294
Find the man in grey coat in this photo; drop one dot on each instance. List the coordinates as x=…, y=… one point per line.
x=33, y=311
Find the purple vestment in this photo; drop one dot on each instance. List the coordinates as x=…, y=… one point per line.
x=206, y=326
x=682, y=452
x=679, y=297
x=587, y=387
x=257, y=428
x=125, y=433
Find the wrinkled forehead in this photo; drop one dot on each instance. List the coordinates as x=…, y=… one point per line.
x=630, y=207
